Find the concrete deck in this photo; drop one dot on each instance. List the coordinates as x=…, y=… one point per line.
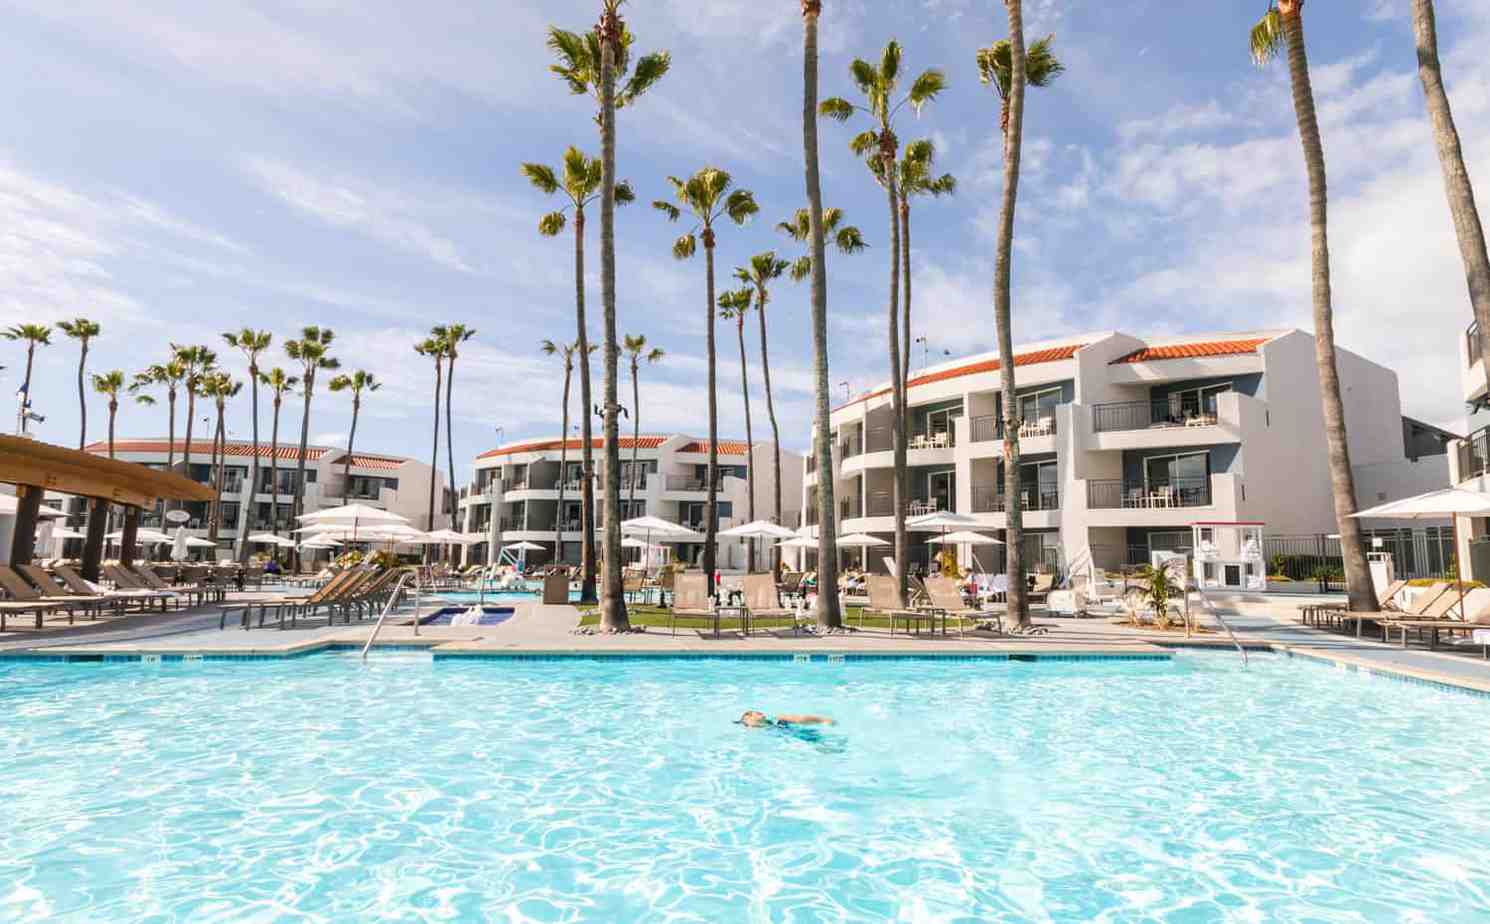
x=1261, y=624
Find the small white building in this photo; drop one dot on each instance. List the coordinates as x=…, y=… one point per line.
x=388, y=482
x=1127, y=441
x=515, y=493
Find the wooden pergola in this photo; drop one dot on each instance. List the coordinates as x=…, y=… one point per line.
x=35, y=468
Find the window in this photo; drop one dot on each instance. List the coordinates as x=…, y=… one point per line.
x=1183, y=471
x=1038, y=405
x=1201, y=400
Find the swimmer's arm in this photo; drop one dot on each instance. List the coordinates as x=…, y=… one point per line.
x=804, y=720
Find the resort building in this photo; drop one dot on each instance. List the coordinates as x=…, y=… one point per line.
x=514, y=496
x=1469, y=461
x=389, y=482
x=1126, y=443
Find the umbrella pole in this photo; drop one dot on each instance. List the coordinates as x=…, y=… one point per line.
x=1458, y=570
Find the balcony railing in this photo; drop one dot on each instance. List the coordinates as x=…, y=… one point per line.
x=848, y=510
x=689, y=483
x=993, y=500
x=879, y=439
x=1474, y=454
x=1143, y=415
x=1113, y=494
x=938, y=440
x=850, y=447
x=1472, y=341
x=986, y=429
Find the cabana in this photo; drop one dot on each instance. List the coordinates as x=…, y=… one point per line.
x=36, y=468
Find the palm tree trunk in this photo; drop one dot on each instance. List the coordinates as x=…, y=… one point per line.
x=297, y=503
x=563, y=469
x=30, y=358
x=897, y=379
x=450, y=442
x=274, y=471
x=346, y=465
x=905, y=307
x=434, y=456
x=749, y=442
x=586, y=434
x=171, y=430
x=636, y=435
x=829, y=610
x=1018, y=602
x=219, y=453
x=1460, y=192
x=612, y=601
x=775, y=431
x=711, y=509
x=113, y=412
x=1342, y=480
x=250, y=506
x=191, y=413
x=82, y=398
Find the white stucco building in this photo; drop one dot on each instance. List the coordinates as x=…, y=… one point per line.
x=1469, y=461
x=515, y=493
x=388, y=482
x=1127, y=442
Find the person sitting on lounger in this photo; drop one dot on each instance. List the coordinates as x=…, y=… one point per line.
x=755, y=719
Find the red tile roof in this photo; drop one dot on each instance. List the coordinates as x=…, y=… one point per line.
x=626, y=442
x=384, y=463
x=726, y=447
x=1051, y=355
x=203, y=448
x=1193, y=350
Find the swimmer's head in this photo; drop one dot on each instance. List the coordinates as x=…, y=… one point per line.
x=753, y=719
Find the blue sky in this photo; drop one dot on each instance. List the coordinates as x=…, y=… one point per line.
x=188, y=168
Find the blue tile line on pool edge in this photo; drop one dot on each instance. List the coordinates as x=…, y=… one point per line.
x=1386, y=673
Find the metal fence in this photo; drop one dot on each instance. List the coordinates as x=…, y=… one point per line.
x=1416, y=553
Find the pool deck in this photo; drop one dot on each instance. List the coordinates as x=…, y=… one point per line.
x=1261, y=624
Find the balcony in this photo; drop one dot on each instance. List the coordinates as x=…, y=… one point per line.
x=879, y=439
x=848, y=509
x=1176, y=493
x=1146, y=415
x=689, y=483
x=1472, y=341
x=993, y=500
x=1474, y=454
x=850, y=447
x=986, y=429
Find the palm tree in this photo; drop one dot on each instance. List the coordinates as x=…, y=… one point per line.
x=434, y=348
x=219, y=386
x=35, y=335
x=917, y=178
x=1283, y=27
x=707, y=197
x=1009, y=67
x=580, y=184
x=763, y=269
x=313, y=352
x=1460, y=192
x=251, y=343
x=82, y=330
x=566, y=352
x=356, y=383
x=594, y=65
x=829, y=610
x=847, y=238
x=279, y=384
x=109, y=383
x=635, y=346
x=879, y=86
x=735, y=306
x=168, y=375
x=454, y=335
x=197, y=362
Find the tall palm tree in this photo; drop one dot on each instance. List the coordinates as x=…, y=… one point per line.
x=579, y=183
x=1283, y=27
x=198, y=361
x=313, y=352
x=1009, y=67
x=168, y=375
x=764, y=269
x=636, y=349
x=434, y=348
x=564, y=351
x=880, y=85
x=917, y=178
x=1460, y=191
x=847, y=238
x=454, y=335
x=109, y=384
x=35, y=335
x=251, y=343
x=595, y=65
x=219, y=386
x=735, y=306
x=356, y=383
x=83, y=331
x=708, y=198
x=279, y=384
x=829, y=610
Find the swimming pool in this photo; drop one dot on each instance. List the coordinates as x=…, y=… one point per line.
x=412, y=789
x=496, y=596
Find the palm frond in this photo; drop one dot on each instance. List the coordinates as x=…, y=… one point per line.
x=1041, y=67
x=672, y=212
x=801, y=268
x=625, y=195
x=864, y=143
x=836, y=108
x=551, y=224
x=568, y=47
x=1266, y=39
x=832, y=217
x=685, y=246
x=649, y=70
x=864, y=75
x=994, y=66
x=541, y=176
x=576, y=171
x=889, y=72
x=931, y=82
x=849, y=240
x=740, y=206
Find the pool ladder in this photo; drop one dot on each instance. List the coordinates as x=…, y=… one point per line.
x=1211, y=608
x=388, y=608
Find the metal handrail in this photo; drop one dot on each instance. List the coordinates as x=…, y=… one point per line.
x=388, y=608
x=1211, y=608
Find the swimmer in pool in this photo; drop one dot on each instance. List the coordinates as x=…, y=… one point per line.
x=755, y=719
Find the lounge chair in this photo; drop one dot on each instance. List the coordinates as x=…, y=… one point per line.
x=885, y=600
x=1386, y=601
x=946, y=598
x=201, y=592
x=1475, y=614
x=691, y=600
x=1040, y=589
x=292, y=605
x=1419, y=608
x=762, y=601
x=129, y=582
x=121, y=598
x=24, y=599
x=48, y=589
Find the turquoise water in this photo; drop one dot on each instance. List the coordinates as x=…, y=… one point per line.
x=323, y=789
x=492, y=596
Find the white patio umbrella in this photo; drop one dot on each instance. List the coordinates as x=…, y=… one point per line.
x=864, y=543
x=64, y=532
x=141, y=535
x=964, y=537
x=271, y=539
x=759, y=529
x=798, y=542
x=1435, y=505
x=353, y=517
x=524, y=546
x=179, y=551
x=665, y=530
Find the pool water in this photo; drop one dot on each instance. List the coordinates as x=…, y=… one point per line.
x=405, y=788
x=490, y=615
x=497, y=596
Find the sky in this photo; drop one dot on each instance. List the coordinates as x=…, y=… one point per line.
x=188, y=169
